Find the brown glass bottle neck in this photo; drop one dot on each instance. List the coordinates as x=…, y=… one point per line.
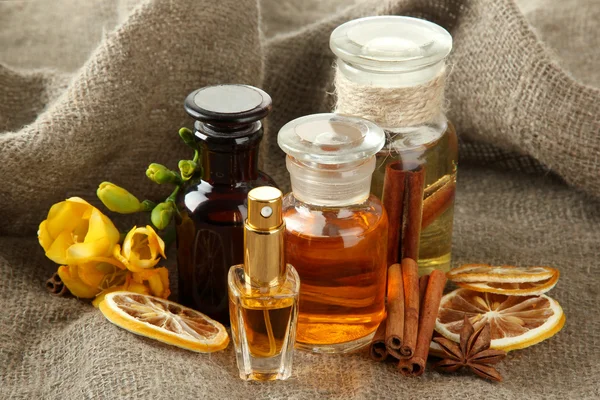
x=229, y=168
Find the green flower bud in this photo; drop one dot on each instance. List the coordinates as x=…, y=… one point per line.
x=162, y=214
x=187, y=168
x=188, y=137
x=160, y=174
x=117, y=199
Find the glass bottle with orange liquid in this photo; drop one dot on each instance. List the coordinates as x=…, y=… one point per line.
x=336, y=231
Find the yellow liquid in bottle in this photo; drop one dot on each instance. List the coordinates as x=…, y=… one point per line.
x=438, y=154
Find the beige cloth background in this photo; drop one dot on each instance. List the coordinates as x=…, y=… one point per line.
x=93, y=90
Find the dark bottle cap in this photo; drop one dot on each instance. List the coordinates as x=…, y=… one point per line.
x=228, y=104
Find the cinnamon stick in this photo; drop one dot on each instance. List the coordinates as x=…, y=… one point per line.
x=56, y=287
x=412, y=213
x=394, y=332
x=422, y=288
x=439, y=201
x=393, y=200
x=403, y=200
x=415, y=366
x=378, y=350
x=410, y=278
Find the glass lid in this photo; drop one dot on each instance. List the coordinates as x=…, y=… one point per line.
x=228, y=104
x=330, y=138
x=391, y=43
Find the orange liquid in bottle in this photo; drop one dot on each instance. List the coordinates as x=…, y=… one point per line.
x=340, y=256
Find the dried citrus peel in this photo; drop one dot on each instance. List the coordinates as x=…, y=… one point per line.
x=513, y=289
x=508, y=280
x=516, y=322
x=501, y=274
x=165, y=321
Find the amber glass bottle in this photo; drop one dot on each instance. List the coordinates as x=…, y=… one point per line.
x=336, y=232
x=210, y=228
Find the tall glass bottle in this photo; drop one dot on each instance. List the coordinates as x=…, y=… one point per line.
x=210, y=229
x=401, y=61
x=336, y=231
x=263, y=293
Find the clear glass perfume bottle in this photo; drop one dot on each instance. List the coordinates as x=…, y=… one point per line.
x=263, y=293
x=210, y=226
x=402, y=61
x=336, y=231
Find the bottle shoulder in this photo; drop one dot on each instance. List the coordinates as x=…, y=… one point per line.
x=416, y=142
x=357, y=219
x=198, y=194
x=240, y=288
x=372, y=205
x=264, y=179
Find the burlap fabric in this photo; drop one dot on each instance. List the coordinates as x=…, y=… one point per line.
x=93, y=91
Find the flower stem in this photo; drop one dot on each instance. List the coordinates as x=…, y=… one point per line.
x=172, y=199
x=173, y=195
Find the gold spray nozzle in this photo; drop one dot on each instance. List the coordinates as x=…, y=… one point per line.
x=264, y=262
x=264, y=208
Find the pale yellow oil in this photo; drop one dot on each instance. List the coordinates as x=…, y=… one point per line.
x=437, y=150
x=266, y=325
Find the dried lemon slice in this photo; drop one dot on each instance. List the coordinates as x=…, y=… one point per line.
x=165, y=321
x=513, y=288
x=515, y=322
x=501, y=274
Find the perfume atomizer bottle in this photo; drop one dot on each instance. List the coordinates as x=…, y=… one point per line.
x=263, y=293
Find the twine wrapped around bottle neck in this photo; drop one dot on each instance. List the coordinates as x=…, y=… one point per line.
x=391, y=107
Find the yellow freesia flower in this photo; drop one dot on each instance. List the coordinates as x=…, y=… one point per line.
x=70, y=277
x=142, y=249
x=88, y=279
x=158, y=281
x=85, y=241
x=152, y=281
x=76, y=232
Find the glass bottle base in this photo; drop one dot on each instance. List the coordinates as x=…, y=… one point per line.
x=265, y=376
x=338, y=348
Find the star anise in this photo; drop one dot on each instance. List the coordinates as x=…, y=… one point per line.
x=474, y=352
